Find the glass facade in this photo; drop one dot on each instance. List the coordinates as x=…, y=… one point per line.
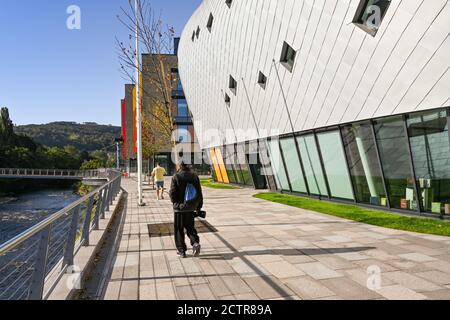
x=311, y=162
x=277, y=165
x=293, y=165
x=365, y=169
x=241, y=159
x=333, y=157
x=430, y=148
x=397, y=162
x=228, y=165
x=394, y=153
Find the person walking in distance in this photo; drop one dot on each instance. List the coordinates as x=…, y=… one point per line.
x=187, y=198
x=158, y=177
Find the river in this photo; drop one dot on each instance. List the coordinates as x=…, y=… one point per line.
x=21, y=212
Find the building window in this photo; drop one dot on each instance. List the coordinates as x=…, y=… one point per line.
x=233, y=85
x=370, y=14
x=182, y=134
x=393, y=146
x=228, y=165
x=193, y=36
x=210, y=22
x=262, y=80
x=242, y=161
x=183, y=110
x=293, y=166
x=277, y=165
x=365, y=169
x=430, y=148
x=311, y=162
x=288, y=56
x=227, y=99
x=197, y=33
x=229, y=2
x=335, y=165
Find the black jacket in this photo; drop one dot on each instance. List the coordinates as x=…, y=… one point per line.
x=178, y=189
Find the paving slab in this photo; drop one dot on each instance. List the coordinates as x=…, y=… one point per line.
x=262, y=250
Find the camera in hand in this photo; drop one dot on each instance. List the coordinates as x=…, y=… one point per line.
x=200, y=214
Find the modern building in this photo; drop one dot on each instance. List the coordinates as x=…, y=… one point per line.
x=343, y=100
x=128, y=115
x=160, y=84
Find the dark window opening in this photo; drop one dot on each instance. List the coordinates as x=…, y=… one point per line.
x=210, y=22
x=227, y=99
x=262, y=80
x=288, y=55
x=370, y=14
x=198, y=32
x=228, y=3
x=233, y=85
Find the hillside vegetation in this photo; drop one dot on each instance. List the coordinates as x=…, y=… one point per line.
x=84, y=137
x=22, y=151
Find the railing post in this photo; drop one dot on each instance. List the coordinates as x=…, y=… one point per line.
x=107, y=201
x=111, y=198
x=38, y=277
x=116, y=189
x=87, y=222
x=100, y=208
x=70, y=246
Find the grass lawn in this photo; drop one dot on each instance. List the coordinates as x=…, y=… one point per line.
x=369, y=216
x=209, y=183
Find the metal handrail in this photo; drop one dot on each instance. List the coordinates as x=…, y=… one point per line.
x=48, y=172
x=106, y=194
x=7, y=246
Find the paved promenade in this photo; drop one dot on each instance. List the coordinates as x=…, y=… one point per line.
x=253, y=249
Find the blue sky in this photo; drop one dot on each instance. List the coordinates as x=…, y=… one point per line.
x=50, y=73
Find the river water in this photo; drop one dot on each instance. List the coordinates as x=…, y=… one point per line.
x=19, y=213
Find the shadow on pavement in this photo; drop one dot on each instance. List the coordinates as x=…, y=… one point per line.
x=284, y=252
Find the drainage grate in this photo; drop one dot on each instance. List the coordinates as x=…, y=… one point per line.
x=167, y=229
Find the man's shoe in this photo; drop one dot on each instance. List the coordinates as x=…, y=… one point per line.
x=181, y=254
x=196, y=248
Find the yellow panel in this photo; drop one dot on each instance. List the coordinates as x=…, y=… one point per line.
x=215, y=165
x=223, y=170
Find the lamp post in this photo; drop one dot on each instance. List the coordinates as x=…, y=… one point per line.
x=138, y=110
x=118, y=141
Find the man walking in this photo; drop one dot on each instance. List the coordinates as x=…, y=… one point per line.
x=158, y=177
x=187, y=198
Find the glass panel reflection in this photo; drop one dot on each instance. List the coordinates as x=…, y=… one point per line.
x=293, y=165
x=430, y=146
x=277, y=164
x=335, y=166
x=311, y=163
x=394, y=154
x=363, y=162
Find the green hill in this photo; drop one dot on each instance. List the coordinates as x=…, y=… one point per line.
x=85, y=137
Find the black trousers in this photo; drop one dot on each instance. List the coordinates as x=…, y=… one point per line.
x=185, y=220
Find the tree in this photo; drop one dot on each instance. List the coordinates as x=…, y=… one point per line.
x=6, y=128
x=92, y=164
x=157, y=40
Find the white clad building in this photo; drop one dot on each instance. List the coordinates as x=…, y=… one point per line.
x=345, y=100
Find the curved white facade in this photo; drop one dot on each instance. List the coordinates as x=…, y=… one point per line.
x=341, y=73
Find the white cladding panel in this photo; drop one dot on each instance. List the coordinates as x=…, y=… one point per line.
x=341, y=73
